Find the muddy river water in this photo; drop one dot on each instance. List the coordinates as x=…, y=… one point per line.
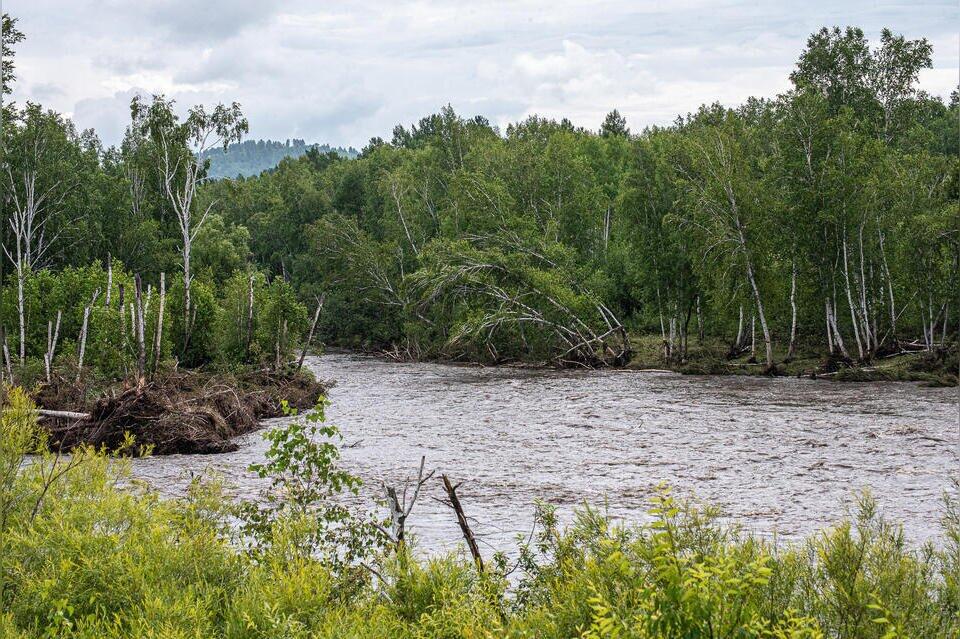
x=780, y=456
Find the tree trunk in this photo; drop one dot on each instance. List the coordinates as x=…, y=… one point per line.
x=276, y=361
x=889, y=282
x=52, y=337
x=946, y=316
x=768, y=343
x=249, y=317
x=739, y=343
x=832, y=312
x=139, y=329
x=793, y=310
x=158, y=337
x=829, y=327
x=106, y=299
x=699, y=323
x=853, y=312
x=313, y=327
x=868, y=337
x=21, y=312
x=463, y=522
x=187, y=317
x=83, y=334
x=663, y=330
x=6, y=353
x=123, y=319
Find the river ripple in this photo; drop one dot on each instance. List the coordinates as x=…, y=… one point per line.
x=780, y=456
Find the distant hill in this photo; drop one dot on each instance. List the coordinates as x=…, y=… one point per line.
x=252, y=157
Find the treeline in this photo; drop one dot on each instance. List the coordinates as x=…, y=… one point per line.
x=109, y=260
x=825, y=217
x=252, y=157
x=823, y=220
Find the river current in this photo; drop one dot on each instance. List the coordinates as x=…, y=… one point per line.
x=780, y=456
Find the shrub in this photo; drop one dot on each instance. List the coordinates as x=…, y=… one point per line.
x=85, y=552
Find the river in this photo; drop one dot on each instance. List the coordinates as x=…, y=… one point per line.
x=781, y=456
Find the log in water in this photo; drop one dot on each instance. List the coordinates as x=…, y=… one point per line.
x=781, y=456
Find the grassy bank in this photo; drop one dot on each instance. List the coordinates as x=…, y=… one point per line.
x=79, y=557
x=712, y=358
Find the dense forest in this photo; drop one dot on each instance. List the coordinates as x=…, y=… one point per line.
x=145, y=306
x=252, y=157
x=822, y=220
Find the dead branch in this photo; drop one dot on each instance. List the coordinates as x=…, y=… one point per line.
x=400, y=507
x=468, y=535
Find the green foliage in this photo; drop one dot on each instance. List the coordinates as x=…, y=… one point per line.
x=299, y=517
x=85, y=553
x=824, y=216
x=203, y=347
x=280, y=320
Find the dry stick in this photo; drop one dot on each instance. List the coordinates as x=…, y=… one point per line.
x=123, y=325
x=83, y=333
x=159, y=335
x=63, y=414
x=138, y=325
x=313, y=327
x=133, y=319
x=51, y=344
x=146, y=304
x=462, y=521
x=106, y=301
x=400, y=508
x=46, y=353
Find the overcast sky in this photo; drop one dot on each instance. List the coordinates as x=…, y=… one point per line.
x=341, y=72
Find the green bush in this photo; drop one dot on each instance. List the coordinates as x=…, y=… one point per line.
x=85, y=552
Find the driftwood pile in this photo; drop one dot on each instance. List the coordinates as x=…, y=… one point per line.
x=184, y=412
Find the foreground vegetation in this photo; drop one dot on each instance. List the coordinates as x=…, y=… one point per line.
x=82, y=557
x=817, y=224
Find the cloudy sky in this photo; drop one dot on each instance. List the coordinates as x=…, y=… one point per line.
x=341, y=72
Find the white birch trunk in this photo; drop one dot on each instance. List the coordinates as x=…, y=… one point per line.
x=52, y=337
x=158, y=336
x=793, y=309
x=853, y=312
x=139, y=329
x=83, y=334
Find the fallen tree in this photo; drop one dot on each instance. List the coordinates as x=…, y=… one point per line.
x=181, y=412
x=497, y=293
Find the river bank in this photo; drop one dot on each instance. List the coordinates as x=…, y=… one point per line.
x=713, y=357
x=176, y=412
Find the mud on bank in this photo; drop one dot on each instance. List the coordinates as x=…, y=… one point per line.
x=178, y=412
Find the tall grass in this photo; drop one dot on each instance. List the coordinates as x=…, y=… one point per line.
x=86, y=552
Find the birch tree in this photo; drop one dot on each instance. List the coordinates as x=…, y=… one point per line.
x=728, y=205
x=39, y=175
x=176, y=147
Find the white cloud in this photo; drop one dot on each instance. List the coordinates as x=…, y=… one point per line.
x=342, y=73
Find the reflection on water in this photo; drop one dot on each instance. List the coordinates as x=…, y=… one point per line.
x=781, y=456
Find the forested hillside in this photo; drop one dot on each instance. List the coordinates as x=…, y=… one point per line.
x=822, y=219
x=252, y=157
